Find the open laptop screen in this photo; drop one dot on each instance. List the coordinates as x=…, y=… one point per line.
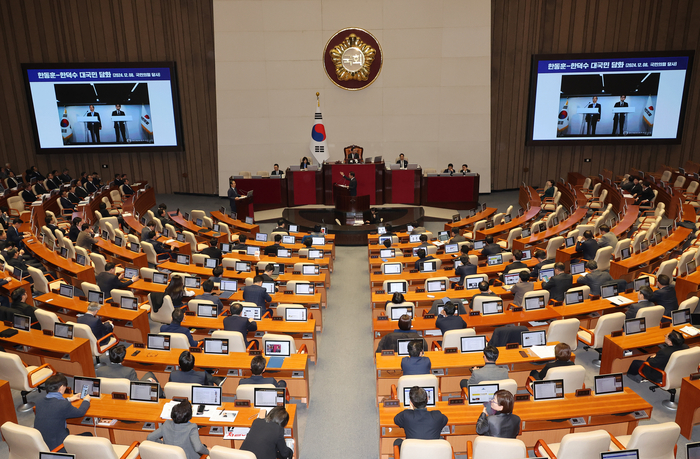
x=473, y=343
x=183, y=259
x=160, y=278
x=608, y=384
x=481, y=393
x=478, y=245
x=511, y=279
x=526, y=255
x=634, y=326
x=66, y=290
x=606, y=291
x=625, y=454
x=492, y=260
x=574, y=297
x=430, y=392
x=96, y=297
x=451, y=248
x=129, y=303
x=533, y=338
x=641, y=282
x=473, y=284
x=206, y=310
x=251, y=312
x=143, y=392
x=311, y=270
x=387, y=253
x=63, y=330
x=295, y=314
x=577, y=268
x=228, y=285
x=428, y=267
x=394, y=287
x=548, y=390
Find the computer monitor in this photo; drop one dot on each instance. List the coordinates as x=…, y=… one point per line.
x=192, y=282
x=17, y=274
x=295, y=314
x=387, y=253
x=286, y=239
x=242, y=266
x=473, y=283
x=472, y=343
x=606, y=291
x=438, y=285
x=261, y=237
x=130, y=272
x=226, y=247
x=47, y=455
x=451, y=248
x=381, y=230
x=414, y=238
x=160, y=278
x=641, y=282
x=382, y=239
x=479, y=394
x=215, y=346
x=527, y=254
x=623, y=454
x=128, y=302
x=144, y=391
x=634, y=326
x=692, y=450
x=478, y=245
x=548, y=390
x=64, y=331
x=315, y=254
x=264, y=397
x=252, y=250
x=66, y=290
x=311, y=270
x=199, y=222
x=569, y=242
x=397, y=287
x=96, y=297
x=578, y=268
x=206, y=310
x=158, y=342
x=293, y=228
x=402, y=347
x=526, y=232
x=117, y=241
x=533, y=338
x=180, y=237
x=86, y=386
x=64, y=252
x=430, y=392
x=493, y=260
x=443, y=236
x=318, y=240
x=492, y=307
x=186, y=216
x=545, y=274
x=183, y=259
x=395, y=312
x=489, y=224
x=511, y=279
x=228, y=285
x=507, y=218
x=277, y=348
x=534, y=302
x=409, y=228
x=680, y=317
x=21, y=322
x=555, y=222
x=543, y=227
x=644, y=245
x=105, y=235
x=429, y=266
x=211, y=263
x=690, y=267
x=216, y=227
x=608, y=384
x=304, y=288
x=625, y=253
x=574, y=297
x=251, y=312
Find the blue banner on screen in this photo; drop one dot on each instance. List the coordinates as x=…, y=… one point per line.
x=94, y=107
x=609, y=98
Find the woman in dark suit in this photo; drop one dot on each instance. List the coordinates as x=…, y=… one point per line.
x=562, y=353
x=674, y=342
x=502, y=424
x=304, y=163
x=266, y=436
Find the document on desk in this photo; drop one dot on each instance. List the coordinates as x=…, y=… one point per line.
x=169, y=241
x=224, y=416
x=690, y=330
x=167, y=408
x=543, y=352
x=619, y=300
x=534, y=323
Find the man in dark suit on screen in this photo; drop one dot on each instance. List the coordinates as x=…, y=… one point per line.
x=94, y=128
x=619, y=118
x=591, y=118
x=119, y=126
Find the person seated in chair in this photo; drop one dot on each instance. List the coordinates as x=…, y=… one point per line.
x=354, y=156
x=449, y=319
x=207, y=287
x=517, y=263
x=235, y=322
x=19, y=306
x=281, y=227
x=390, y=340
x=257, y=367
x=175, y=326
x=450, y=170
x=418, y=422
x=491, y=248
x=562, y=354
x=521, y=288
x=187, y=374
x=274, y=248
x=586, y=245
x=179, y=431
x=416, y=363
x=558, y=284
x=456, y=237
x=594, y=278
x=542, y=260
x=99, y=328
x=674, y=341
x=502, y=424
x=489, y=372
x=422, y=258
x=213, y=250
x=53, y=410
x=665, y=296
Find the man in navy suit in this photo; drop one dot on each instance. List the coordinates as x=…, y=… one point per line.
x=416, y=363
x=108, y=280
x=447, y=320
x=175, y=327
x=465, y=269
x=186, y=373
x=13, y=233
x=665, y=296
x=235, y=322
x=99, y=328
x=257, y=294
x=352, y=186
x=66, y=203
x=53, y=409
x=418, y=422
x=586, y=245
x=257, y=367
x=559, y=283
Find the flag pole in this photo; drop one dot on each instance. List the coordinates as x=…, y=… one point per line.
x=318, y=101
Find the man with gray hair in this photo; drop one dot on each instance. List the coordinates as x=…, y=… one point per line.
x=99, y=328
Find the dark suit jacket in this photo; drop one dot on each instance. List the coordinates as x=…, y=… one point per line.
x=660, y=360
x=498, y=425
x=108, y=281
x=175, y=327
x=24, y=309
x=241, y=325
x=271, y=249
x=419, y=262
x=213, y=252
x=415, y=366
x=402, y=163
x=587, y=247
x=81, y=192
x=258, y=295
x=633, y=309
x=266, y=441
x=51, y=416
x=636, y=189
x=646, y=195
x=421, y=424
x=192, y=376
x=464, y=271
x=450, y=323
x=390, y=340
x=14, y=236
x=447, y=171
x=98, y=328
x=557, y=363
x=593, y=117
x=491, y=249
x=665, y=297
x=594, y=280
x=259, y=379
x=73, y=233
x=118, y=113
x=97, y=125
x=352, y=186
x=515, y=265
x=116, y=370
x=620, y=115
x=558, y=285
x=128, y=190
x=90, y=186
x=67, y=204
x=28, y=196
x=536, y=269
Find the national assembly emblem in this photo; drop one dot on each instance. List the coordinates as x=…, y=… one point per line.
x=352, y=59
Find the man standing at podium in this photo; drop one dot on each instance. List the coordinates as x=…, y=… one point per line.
x=94, y=128
x=352, y=186
x=592, y=118
x=619, y=117
x=119, y=126
x=233, y=196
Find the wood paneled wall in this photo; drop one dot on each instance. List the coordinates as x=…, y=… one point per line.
x=36, y=31
x=521, y=28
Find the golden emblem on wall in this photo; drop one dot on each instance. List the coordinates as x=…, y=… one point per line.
x=352, y=59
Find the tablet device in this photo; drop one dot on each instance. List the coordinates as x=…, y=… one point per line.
x=492, y=307
x=96, y=297
x=158, y=342
x=472, y=343
x=624, y=454
x=21, y=322
x=251, y=312
x=130, y=303
x=545, y=274
x=160, y=278
x=578, y=268
x=88, y=386
x=215, y=346
x=634, y=326
x=397, y=287
x=206, y=310
x=269, y=287
x=392, y=268
x=608, y=384
x=479, y=394
x=439, y=285
x=130, y=272
x=548, y=390
x=144, y=391
x=569, y=242
x=64, y=331
x=534, y=303
x=295, y=314
x=66, y=290
x=275, y=348
x=533, y=338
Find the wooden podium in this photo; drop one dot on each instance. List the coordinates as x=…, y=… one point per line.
x=349, y=208
x=244, y=208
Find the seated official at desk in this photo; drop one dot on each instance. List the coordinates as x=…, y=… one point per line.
x=115, y=369
x=150, y=226
x=276, y=170
x=449, y=320
x=542, y=260
x=242, y=325
x=456, y=237
x=390, y=341
x=85, y=238
x=643, y=296
x=158, y=247
x=607, y=238
x=66, y=203
x=19, y=306
x=586, y=245
x=465, y=269
x=665, y=296
x=304, y=163
x=108, y=280
x=594, y=278
x=187, y=374
x=423, y=241
x=489, y=372
x=502, y=424
x=422, y=258
x=396, y=298
x=645, y=197
x=281, y=227
x=558, y=284
x=562, y=354
x=402, y=161
x=523, y=286
x=517, y=263
x=179, y=431
x=387, y=244
x=257, y=367
x=268, y=272
x=417, y=422
x=484, y=290
x=465, y=170
x=52, y=224
x=240, y=244
x=274, y=248
x=450, y=170
x=416, y=363
x=266, y=436
x=674, y=342
x=52, y=410
x=74, y=230
x=213, y=250
x=175, y=326
x=257, y=294
x=491, y=248
x=208, y=286
x=217, y=275
x=99, y=329
x=548, y=189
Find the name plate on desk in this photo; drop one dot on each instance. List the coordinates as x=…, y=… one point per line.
x=695, y=376
x=254, y=352
x=517, y=309
x=420, y=290
x=379, y=292
x=455, y=401
x=450, y=350
x=277, y=318
x=664, y=324
x=307, y=336
x=390, y=403
x=522, y=397
x=583, y=392
x=242, y=403
x=388, y=352
x=233, y=372
x=512, y=346
x=474, y=313
x=616, y=333
x=47, y=332
x=383, y=318
x=429, y=316
x=595, y=297
x=298, y=374
x=196, y=350
x=461, y=287
x=119, y=396
x=139, y=345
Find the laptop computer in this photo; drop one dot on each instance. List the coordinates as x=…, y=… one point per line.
x=680, y=317
x=546, y=274
x=527, y=254
x=478, y=245
x=261, y=237
x=251, y=312
x=303, y=288
x=493, y=260
x=574, y=297
x=96, y=297
x=130, y=303
x=533, y=338
x=475, y=343
x=160, y=278
x=428, y=266
x=66, y=290
x=206, y=310
x=511, y=279
x=395, y=312
x=641, y=282
x=451, y=248
x=439, y=285
x=577, y=268
x=268, y=398
x=312, y=270
x=473, y=284
x=228, y=288
x=211, y=263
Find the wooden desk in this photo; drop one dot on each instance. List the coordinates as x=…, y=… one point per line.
x=327, y=248
x=687, y=286
x=688, y=405
x=7, y=413
x=600, y=412
x=268, y=192
x=121, y=255
x=203, y=236
x=306, y=186
x=295, y=369
x=325, y=263
x=136, y=226
x=506, y=227
x=136, y=413
x=302, y=332
x=131, y=326
x=70, y=357
x=68, y=270
x=613, y=359
x=13, y=285
x=408, y=261
x=468, y=222
x=402, y=186
x=235, y=225
x=540, y=239
x=370, y=180
x=627, y=269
